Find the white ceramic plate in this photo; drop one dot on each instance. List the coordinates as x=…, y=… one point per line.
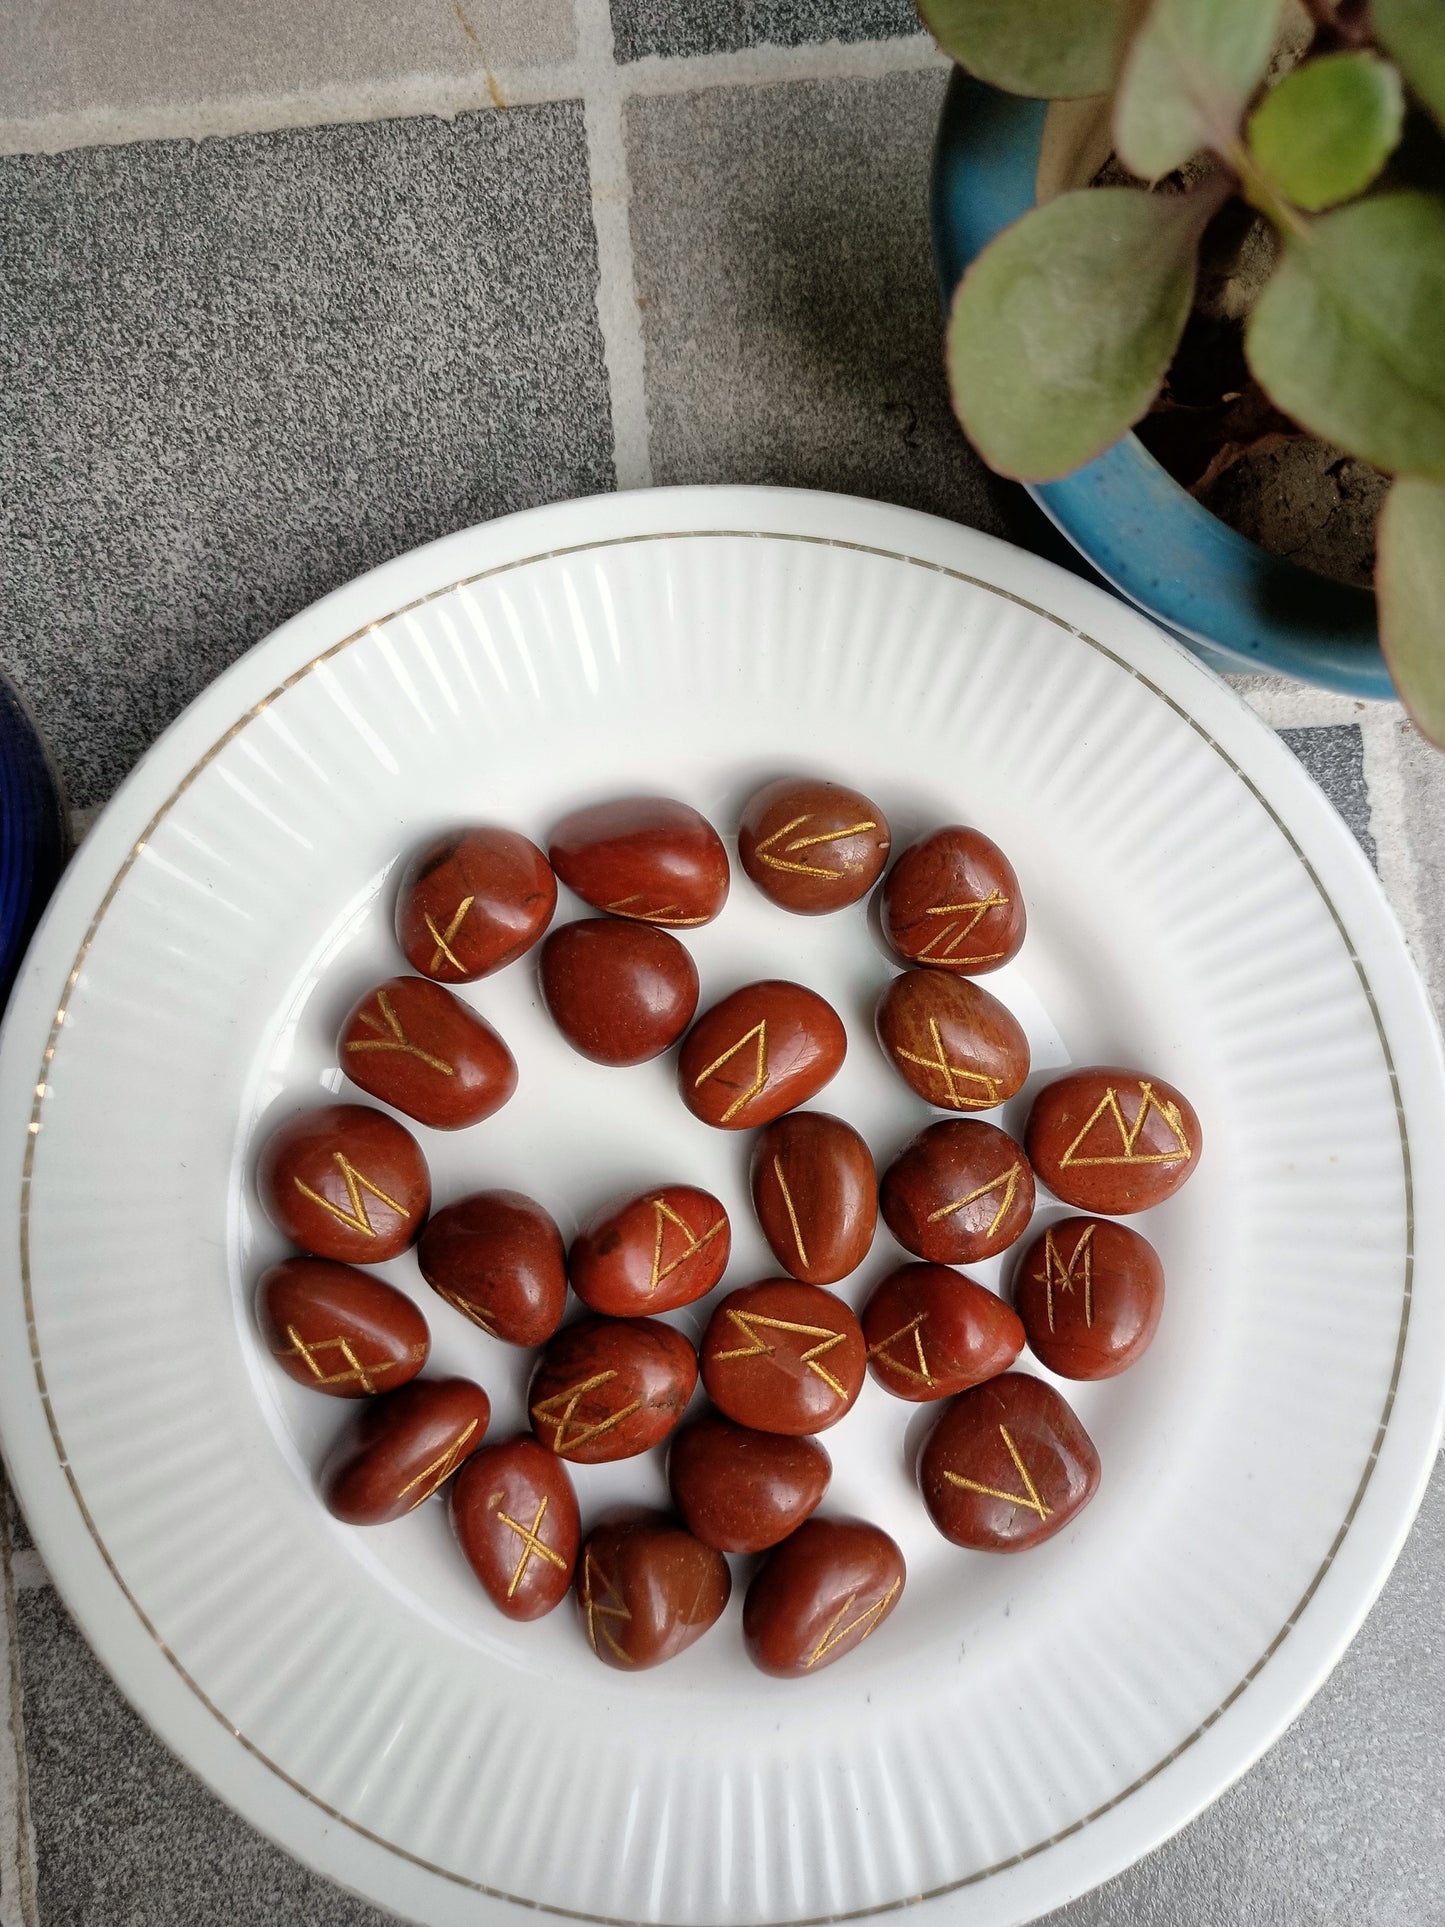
x=1020, y=1728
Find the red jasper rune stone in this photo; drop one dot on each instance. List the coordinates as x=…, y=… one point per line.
x=609, y=1388
x=741, y=1490
x=960, y=1192
x=471, y=902
x=953, y=1043
x=620, y=993
x=952, y=902
x=647, y=1590
x=340, y=1330
x=402, y=1447
x=498, y=1259
x=819, y=1595
x=414, y=1045
x=644, y=857
x=812, y=846
x=783, y=1357
x=345, y=1182
x=1007, y=1466
x=816, y=1195
x=1089, y=1293
x=932, y=1332
x=652, y=1252
x=762, y=1051
x=1113, y=1140
x=515, y=1516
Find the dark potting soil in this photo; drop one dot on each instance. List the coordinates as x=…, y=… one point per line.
x=1218, y=434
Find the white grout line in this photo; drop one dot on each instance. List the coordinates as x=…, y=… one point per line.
x=618, y=314
x=445, y=95
x=1389, y=821
x=17, y=1837
x=449, y=94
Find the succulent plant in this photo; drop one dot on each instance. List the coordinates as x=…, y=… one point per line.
x=1063, y=329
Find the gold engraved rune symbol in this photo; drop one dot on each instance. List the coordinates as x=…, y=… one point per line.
x=431, y=1476
x=952, y=935
x=763, y=851
x=914, y=1330
x=1066, y=1276
x=670, y=913
x=1028, y=1498
x=355, y=1374
x=748, y=1323
x=982, y=1099
x=602, y=1609
x=558, y=1411
x=398, y=1039
x=443, y=939
x=792, y=1213
x=760, y=1072
x=468, y=1310
x=1008, y=1179
x=533, y=1545
x=665, y=1215
x=1129, y=1133
x=356, y=1218
x=869, y=1620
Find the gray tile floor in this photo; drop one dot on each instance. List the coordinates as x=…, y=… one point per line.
x=673, y=27
x=250, y=369
x=789, y=309
x=238, y=372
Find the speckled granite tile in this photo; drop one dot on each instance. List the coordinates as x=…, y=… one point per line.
x=642, y=27
x=1341, y=1824
x=237, y=374
x=1334, y=755
x=780, y=243
x=89, y=57
x=125, y=1836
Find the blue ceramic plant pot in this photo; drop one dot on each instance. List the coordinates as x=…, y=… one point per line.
x=32, y=832
x=1225, y=597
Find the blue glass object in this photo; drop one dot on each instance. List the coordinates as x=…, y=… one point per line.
x=1225, y=598
x=32, y=832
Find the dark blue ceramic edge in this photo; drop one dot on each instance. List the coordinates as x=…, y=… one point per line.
x=32, y=832
x=1221, y=594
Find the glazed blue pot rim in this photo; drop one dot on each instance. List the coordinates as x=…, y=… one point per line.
x=1218, y=592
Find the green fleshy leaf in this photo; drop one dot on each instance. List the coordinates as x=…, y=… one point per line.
x=1410, y=590
x=1188, y=77
x=1062, y=329
x=1413, y=32
x=1349, y=335
x=1324, y=133
x=1051, y=49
